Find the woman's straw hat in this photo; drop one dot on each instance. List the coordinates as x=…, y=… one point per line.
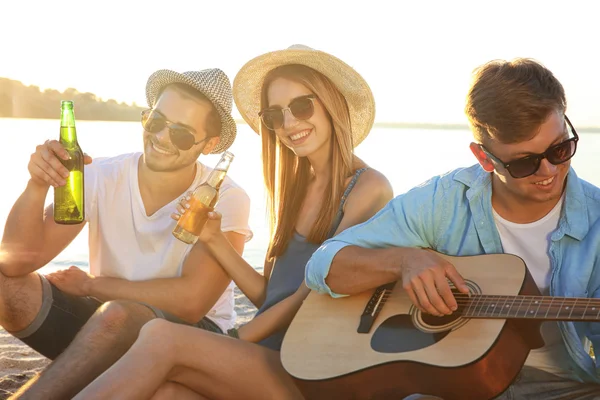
x=248, y=83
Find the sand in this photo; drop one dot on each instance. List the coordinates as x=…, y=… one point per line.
x=18, y=363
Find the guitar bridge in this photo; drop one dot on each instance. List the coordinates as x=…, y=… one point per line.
x=374, y=306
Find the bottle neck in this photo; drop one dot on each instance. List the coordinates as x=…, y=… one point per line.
x=68, y=132
x=216, y=177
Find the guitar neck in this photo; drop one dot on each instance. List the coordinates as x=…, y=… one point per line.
x=529, y=307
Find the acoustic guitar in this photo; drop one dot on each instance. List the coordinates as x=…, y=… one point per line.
x=378, y=345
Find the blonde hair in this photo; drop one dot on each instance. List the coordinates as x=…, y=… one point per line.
x=287, y=176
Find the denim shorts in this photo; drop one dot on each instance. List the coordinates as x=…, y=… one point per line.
x=62, y=315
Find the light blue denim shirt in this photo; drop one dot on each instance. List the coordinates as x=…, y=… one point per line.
x=452, y=214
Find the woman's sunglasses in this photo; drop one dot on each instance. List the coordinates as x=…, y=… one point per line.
x=181, y=136
x=302, y=108
x=526, y=166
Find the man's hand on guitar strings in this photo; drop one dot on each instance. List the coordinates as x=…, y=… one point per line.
x=425, y=278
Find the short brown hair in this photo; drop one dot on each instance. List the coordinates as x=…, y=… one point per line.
x=509, y=100
x=213, y=120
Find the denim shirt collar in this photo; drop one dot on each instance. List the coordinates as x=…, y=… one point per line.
x=574, y=219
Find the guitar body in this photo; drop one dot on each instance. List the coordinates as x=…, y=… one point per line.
x=408, y=352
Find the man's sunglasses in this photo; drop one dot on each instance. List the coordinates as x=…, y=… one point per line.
x=302, y=108
x=526, y=166
x=181, y=136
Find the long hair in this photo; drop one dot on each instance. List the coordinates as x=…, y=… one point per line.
x=287, y=176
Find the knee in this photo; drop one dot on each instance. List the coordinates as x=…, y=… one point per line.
x=157, y=338
x=157, y=332
x=120, y=316
x=7, y=283
x=20, y=300
x=112, y=316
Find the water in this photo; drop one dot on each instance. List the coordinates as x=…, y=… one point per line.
x=406, y=156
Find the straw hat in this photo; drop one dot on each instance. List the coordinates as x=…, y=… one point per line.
x=212, y=83
x=248, y=83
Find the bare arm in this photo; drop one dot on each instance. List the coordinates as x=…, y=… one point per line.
x=31, y=237
x=355, y=269
x=423, y=273
x=248, y=280
x=189, y=296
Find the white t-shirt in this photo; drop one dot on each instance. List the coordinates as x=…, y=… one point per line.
x=126, y=243
x=531, y=242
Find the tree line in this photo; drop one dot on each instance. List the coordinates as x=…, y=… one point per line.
x=20, y=101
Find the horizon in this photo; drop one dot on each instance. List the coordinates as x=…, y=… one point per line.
x=377, y=124
x=417, y=57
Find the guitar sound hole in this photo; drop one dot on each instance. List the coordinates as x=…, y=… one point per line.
x=432, y=320
x=397, y=334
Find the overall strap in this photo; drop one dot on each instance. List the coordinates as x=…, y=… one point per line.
x=340, y=212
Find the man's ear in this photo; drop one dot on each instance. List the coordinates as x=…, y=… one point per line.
x=211, y=144
x=481, y=157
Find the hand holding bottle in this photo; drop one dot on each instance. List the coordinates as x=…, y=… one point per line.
x=201, y=202
x=45, y=166
x=212, y=227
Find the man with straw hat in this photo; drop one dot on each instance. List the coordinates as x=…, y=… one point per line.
x=138, y=270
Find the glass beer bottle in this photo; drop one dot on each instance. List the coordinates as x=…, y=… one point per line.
x=69, y=207
x=190, y=224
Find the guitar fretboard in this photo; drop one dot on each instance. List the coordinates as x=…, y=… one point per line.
x=533, y=307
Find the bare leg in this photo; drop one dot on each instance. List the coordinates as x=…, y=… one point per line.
x=172, y=390
x=102, y=341
x=20, y=301
x=215, y=366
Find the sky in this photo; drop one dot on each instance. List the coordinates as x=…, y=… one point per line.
x=417, y=56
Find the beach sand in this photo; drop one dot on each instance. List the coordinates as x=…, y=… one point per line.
x=18, y=362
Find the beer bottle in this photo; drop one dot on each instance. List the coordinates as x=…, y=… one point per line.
x=190, y=224
x=69, y=207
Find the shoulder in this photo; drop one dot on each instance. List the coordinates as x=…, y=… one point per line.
x=231, y=189
x=371, y=192
x=234, y=206
x=458, y=180
x=372, y=184
x=233, y=199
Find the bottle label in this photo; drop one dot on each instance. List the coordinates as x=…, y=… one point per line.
x=194, y=219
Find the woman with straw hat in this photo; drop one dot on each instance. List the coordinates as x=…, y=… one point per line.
x=311, y=110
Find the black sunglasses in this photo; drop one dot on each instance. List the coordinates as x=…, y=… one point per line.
x=526, y=166
x=181, y=136
x=302, y=108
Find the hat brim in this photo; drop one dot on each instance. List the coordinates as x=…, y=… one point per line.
x=164, y=77
x=247, y=86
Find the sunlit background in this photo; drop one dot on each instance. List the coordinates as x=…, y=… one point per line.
x=416, y=55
